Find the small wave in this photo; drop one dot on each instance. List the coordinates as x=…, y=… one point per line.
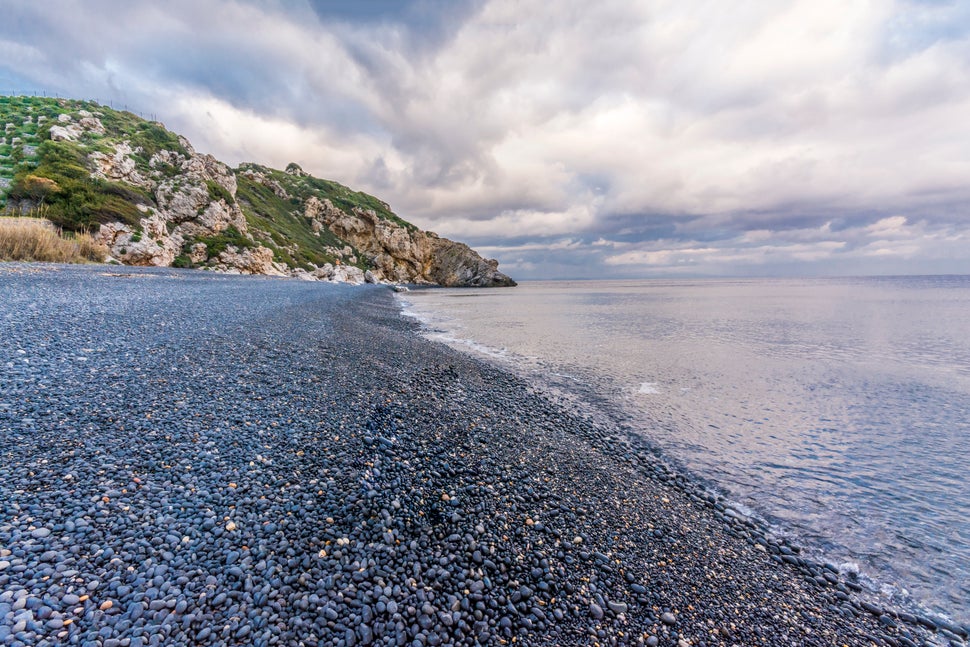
x=481, y=349
x=567, y=376
x=648, y=388
x=849, y=567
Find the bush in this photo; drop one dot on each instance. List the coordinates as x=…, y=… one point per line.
x=151, y=138
x=77, y=201
x=217, y=244
x=182, y=260
x=38, y=188
x=218, y=192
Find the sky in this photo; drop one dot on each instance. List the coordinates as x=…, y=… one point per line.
x=567, y=139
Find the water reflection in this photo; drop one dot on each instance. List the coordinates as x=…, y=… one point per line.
x=838, y=407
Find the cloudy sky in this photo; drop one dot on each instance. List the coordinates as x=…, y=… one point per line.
x=571, y=138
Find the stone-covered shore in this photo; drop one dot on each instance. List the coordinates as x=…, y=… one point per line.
x=194, y=459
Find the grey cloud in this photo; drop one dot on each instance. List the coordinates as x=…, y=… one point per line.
x=519, y=125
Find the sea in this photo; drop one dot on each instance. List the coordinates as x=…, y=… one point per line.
x=835, y=409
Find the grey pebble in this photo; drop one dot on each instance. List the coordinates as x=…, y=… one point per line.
x=273, y=462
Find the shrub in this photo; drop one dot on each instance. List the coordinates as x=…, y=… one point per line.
x=217, y=244
x=218, y=192
x=77, y=201
x=182, y=260
x=38, y=188
x=151, y=138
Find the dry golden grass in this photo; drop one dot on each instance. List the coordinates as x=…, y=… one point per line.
x=36, y=239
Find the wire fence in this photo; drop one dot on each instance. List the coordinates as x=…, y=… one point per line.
x=110, y=103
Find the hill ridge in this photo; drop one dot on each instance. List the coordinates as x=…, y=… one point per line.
x=152, y=199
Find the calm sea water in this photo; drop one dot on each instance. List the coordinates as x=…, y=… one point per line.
x=837, y=409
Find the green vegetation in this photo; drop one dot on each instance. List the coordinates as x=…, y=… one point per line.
x=182, y=260
x=304, y=186
x=218, y=192
x=53, y=178
x=218, y=243
x=288, y=232
x=55, y=175
x=76, y=201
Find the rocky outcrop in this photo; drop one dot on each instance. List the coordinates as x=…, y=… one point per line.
x=120, y=167
x=269, y=183
x=252, y=260
x=161, y=203
x=69, y=130
x=201, y=197
x=152, y=245
x=197, y=201
x=456, y=264
x=406, y=255
x=335, y=274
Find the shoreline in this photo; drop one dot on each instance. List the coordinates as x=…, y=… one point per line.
x=276, y=462
x=602, y=390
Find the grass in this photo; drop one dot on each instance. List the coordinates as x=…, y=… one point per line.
x=38, y=239
x=292, y=241
x=78, y=202
x=341, y=196
x=218, y=192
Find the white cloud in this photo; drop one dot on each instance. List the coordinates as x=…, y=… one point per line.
x=712, y=125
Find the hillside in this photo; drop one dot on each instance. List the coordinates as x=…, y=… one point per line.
x=153, y=200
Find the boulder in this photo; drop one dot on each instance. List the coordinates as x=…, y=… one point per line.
x=252, y=260
x=152, y=246
x=67, y=133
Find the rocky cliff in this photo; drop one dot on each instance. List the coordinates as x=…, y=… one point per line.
x=153, y=200
x=402, y=254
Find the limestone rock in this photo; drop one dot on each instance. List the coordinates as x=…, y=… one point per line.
x=324, y=273
x=402, y=255
x=252, y=260
x=268, y=182
x=206, y=167
x=187, y=198
x=348, y=274
x=456, y=264
x=153, y=245
x=336, y=274
x=199, y=253
x=92, y=124
x=120, y=167
x=67, y=133
x=71, y=131
x=294, y=169
x=191, y=197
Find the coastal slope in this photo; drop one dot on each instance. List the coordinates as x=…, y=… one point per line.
x=153, y=200
x=288, y=463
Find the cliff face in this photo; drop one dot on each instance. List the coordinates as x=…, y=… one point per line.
x=153, y=200
x=404, y=255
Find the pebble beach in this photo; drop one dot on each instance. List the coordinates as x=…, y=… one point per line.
x=197, y=459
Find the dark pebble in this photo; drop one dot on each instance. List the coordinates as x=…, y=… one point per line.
x=261, y=461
